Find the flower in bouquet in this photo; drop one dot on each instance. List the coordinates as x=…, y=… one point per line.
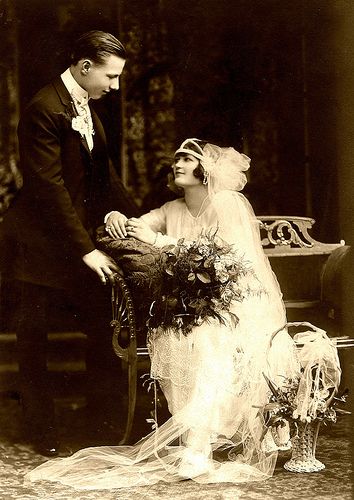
x=197, y=281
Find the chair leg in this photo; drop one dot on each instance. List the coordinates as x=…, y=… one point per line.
x=125, y=332
x=132, y=383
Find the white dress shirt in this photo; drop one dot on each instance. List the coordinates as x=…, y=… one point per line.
x=80, y=98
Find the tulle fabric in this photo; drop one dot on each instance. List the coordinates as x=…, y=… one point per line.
x=321, y=375
x=215, y=395
x=212, y=379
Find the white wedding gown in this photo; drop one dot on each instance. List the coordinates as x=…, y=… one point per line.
x=212, y=379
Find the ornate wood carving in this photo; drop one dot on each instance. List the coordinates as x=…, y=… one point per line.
x=289, y=235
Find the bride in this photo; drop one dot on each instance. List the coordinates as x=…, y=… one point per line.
x=213, y=378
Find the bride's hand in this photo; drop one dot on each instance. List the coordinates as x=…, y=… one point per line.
x=115, y=225
x=140, y=230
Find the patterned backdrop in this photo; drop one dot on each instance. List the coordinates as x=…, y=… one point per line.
x=147, y=98
x=194, y=69
x=10, y=179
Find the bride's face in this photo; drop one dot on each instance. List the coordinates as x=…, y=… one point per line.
x=183, y=168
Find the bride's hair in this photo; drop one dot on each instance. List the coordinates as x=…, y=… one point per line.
x=194, y=146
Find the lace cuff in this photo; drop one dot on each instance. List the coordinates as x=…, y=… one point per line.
x=163, y=240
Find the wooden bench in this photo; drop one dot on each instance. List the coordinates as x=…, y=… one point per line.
x=298, y=260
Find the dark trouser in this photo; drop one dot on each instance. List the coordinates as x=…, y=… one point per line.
x=36, y=393
x=92, y=305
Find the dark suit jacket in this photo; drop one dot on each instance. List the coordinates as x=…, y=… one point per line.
x=66, y=193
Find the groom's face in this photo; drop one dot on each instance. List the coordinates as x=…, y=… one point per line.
x=100, y=79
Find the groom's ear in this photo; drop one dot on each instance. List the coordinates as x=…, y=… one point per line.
x=86, y=66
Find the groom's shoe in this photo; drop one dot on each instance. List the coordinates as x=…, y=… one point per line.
x=47, y=447
x=47, y=443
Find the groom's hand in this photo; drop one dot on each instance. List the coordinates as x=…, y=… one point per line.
x=115, y=225
x=101, y=264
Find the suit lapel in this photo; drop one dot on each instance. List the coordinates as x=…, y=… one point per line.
x=85, y=145
x=69, y=105
x=100, y=137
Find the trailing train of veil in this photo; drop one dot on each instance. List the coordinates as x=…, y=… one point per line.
x=213, y=379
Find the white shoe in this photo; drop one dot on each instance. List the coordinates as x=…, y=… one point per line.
x=193, y=464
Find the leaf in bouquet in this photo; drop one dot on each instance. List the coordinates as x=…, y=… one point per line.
x=272, y=406
x=208, y=261
x=343, y=412
x=168, y=248
x=204, y=277
x=197, y=303
x=272, y=386
x=276, y=421
x=191, y=276
x=223, y=248
x=343, y=397
x=171, y=302
x=234, y=318
x=169, y=271
x=197, y=257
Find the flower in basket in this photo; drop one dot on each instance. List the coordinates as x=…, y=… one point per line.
x=284, y=403
x=282, y=412
x=196, y=281
x=310, y=394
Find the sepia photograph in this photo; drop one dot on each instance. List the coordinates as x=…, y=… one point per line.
x=176, y=262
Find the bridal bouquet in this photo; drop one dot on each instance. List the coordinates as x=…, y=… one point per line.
x=192, y=282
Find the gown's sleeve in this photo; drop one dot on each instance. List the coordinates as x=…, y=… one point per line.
x=156, y=220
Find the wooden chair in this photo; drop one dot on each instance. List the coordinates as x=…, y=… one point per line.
x=297, y=259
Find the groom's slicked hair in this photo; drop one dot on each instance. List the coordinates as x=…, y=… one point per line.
x=96, y=45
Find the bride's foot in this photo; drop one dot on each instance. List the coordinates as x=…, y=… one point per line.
x=193, y=464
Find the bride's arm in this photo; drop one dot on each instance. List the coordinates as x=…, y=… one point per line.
x=151, y=228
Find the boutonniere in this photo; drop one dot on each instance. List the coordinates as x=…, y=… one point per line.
x=79, y=123
x=69, y=113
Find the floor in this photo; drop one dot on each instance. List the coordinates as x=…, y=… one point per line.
x=333, y=448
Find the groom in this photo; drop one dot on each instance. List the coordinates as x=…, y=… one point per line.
x=49, y=229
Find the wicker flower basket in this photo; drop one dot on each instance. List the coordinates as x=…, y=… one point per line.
x=304, y=448
x=319, y=362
